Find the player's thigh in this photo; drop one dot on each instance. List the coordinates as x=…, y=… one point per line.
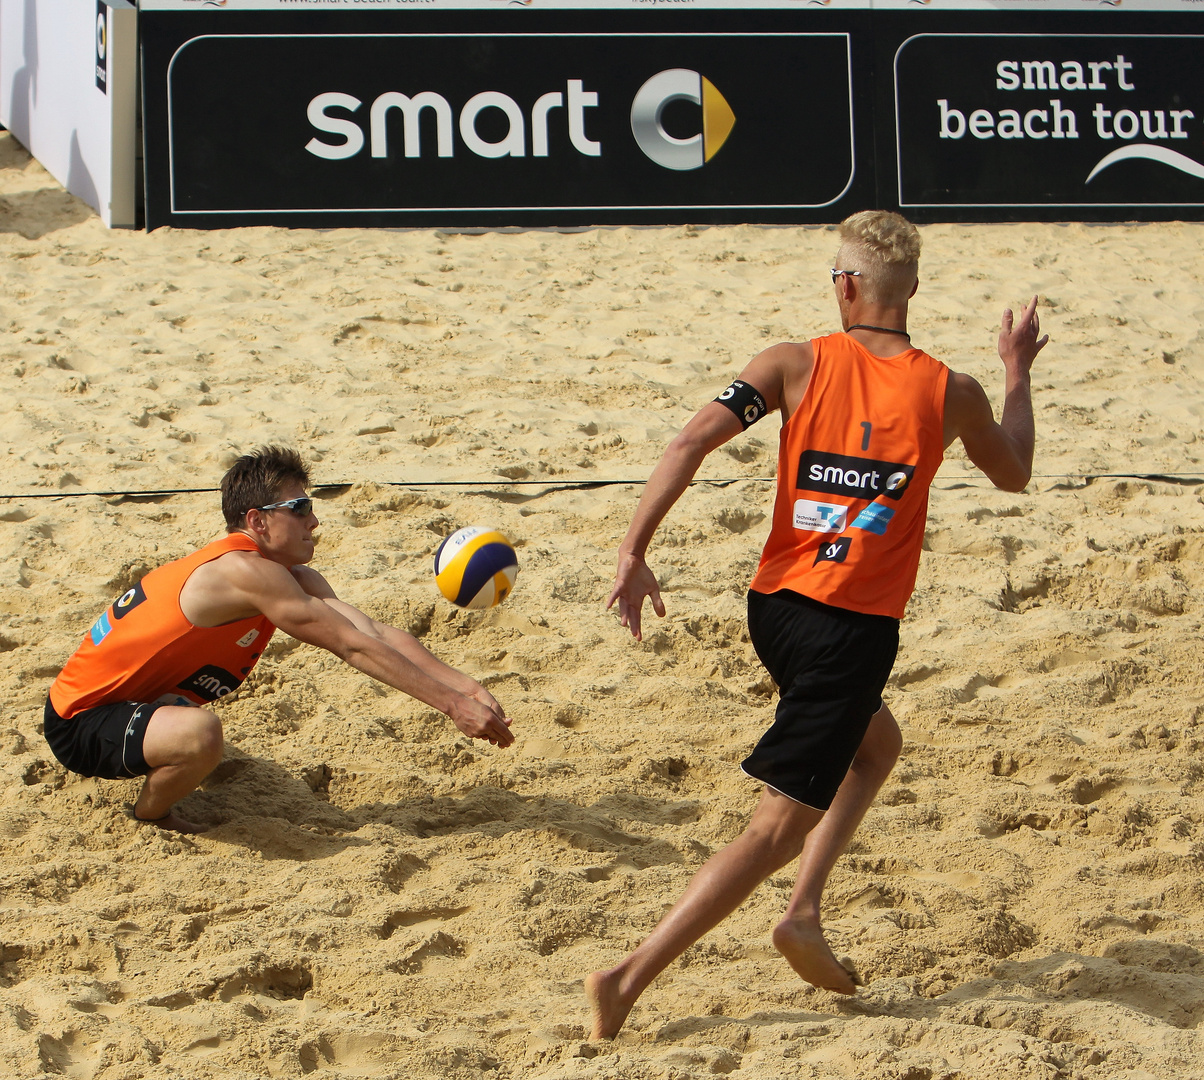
x=175, y=734
x=882, y=742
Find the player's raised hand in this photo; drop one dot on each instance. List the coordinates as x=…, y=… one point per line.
x=1018, y=342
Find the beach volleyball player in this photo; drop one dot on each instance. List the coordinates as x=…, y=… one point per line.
x=866, y=418
x=130, y=701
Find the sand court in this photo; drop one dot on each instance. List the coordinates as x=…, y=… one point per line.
x=380, y=898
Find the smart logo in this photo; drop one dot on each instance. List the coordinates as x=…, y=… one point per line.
x=210, y=683
x=128, y=600
x=102, y=47
x=647, y=125
x=524, y=127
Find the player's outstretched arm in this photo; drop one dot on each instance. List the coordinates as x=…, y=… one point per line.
x=710, y=427
x=278, y=594
x=417, y=654
x=1004, y=450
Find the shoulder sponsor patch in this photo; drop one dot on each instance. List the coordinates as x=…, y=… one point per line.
x=874, y=518
x=101, y=629
x=247, y=638
x=127, y=601
x=820, y=517
x=853, y=477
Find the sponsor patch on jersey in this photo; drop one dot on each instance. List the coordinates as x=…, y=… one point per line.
x=101, y=629
x=874, y=518
x=247, y=638
x=854, y=477
x=833, y=550
x=127, y=601
x=210, y=683
x=819, y=517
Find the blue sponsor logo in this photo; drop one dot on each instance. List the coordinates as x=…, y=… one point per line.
x=101, y=628
x=874, y=518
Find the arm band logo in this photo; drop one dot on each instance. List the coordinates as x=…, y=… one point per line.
x=745, y=402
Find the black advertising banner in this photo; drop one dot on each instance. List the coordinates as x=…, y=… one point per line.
x=1000, y=120
x=102, y=46
x=494, y=113
x=309, y=119
x=518, y=123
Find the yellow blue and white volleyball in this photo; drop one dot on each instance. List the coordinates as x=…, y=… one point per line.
x=475, y=567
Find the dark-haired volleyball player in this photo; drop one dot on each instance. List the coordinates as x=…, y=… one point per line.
x=866, y=418
x=130, y=700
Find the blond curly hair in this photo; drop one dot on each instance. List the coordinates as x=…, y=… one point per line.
x=885, y=247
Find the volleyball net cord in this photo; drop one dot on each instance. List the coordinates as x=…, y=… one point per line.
x=551, y=486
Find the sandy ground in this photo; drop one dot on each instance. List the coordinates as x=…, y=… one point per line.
x=377, y=897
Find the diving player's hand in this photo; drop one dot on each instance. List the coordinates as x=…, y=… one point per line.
x=633, y=582
x=489, y=701
x=481, y=721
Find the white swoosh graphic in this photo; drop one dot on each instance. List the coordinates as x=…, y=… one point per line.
x=1149, y=153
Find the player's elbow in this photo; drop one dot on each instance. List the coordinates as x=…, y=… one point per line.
x=690, y=445
x=1012, y=479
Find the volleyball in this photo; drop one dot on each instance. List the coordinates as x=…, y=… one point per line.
x=475, y=568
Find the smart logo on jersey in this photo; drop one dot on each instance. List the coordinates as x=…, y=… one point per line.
x=855, y=477
x=647, y=125
x=211, y=683
x=819, y=517
x=127, y=601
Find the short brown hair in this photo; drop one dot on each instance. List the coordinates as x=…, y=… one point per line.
x=257, y=479
x=885, y=247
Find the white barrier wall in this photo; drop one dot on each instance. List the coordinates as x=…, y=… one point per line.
x=68, y=80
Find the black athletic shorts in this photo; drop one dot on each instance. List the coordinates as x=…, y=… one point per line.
x=104, y=741
x=830, y=665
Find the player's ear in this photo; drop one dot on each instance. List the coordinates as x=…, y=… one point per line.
x=913, y=289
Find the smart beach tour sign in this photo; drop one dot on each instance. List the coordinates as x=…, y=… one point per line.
x=486, y=113
x=1029, y=120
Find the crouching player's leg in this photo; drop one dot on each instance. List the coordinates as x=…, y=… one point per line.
x=174, y=747
x=181, y=747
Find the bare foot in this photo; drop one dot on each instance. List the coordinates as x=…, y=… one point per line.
x=606, y=1003
x=803, y=946
x=172, y=822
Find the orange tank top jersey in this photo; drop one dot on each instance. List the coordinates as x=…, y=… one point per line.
x=142, y=648
x=854, y=466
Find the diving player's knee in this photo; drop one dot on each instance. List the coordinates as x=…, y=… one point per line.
x=179, y=734
x=206, y=737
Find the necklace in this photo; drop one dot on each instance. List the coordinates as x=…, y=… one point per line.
x=880, y=329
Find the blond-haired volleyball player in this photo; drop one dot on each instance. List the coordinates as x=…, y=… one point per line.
x=866, y=418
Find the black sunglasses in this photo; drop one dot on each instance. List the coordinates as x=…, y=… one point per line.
x=301, y=507
x=850, y=273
